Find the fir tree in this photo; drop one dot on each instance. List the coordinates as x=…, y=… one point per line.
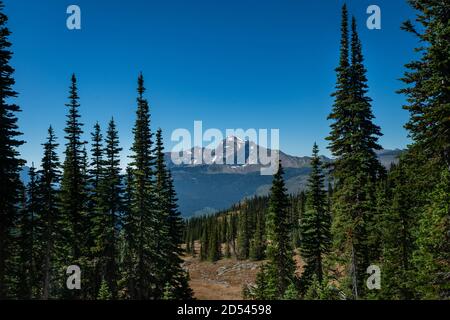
x=107, y=218
x=96, y=167
x=214, y=243
x=104, y=292
x=257, y=245
x=432, y=257
x=10, y=163
x=167, y=249
x=278, y=274
x=73, y=186
x=398, y=225
x=170, y=230
x=316, y=222
x=27, y=239
x=141, y=225
x=49, y=178
x=353, y=141
x=428, y=79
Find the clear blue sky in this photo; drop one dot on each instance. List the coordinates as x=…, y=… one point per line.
x=232, y=64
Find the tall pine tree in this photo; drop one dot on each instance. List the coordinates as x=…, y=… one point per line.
x=279, y=273
x=316, y=223
x=49, y=178
x=142, y=222
x=353, y=141
x=10, y=163
x=108, y=212
x=73, y=188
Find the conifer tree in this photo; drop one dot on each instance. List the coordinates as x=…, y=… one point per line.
x=96, y=167
x=257, y=244
x=49, y=178
x=167, y=249
x=27, y=238
x=170, y=230
x=244, y=234
x=316, y=223
x=106, y=223
x=73, y=187
x=104, y=292
x=142, y=223
x=340, y=115
x=278, y=274
x=10, y=162
x=92, y=270
x=428, y=80
x=428, y=101
x=214, y=253
x=398, y=225
x=353, y=141
x=432, y=257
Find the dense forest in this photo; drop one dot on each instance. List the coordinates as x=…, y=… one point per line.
x=397, y=219
x=123, y=229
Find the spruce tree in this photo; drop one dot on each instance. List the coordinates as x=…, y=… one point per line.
x=398, y=226
x=428, y=80
x=164, y=245
x=257, y=244
x=10, y=162
x=353, y=141
x=92, y=271
x=106, y=223
x=316, y=223
x=432, y=257
x=28, y=229
x=428, y=101
x=96, y=167
x=170, y=230
x=104, y=293
x=73, y=188
x=279, y=273
x=49, y=178
x=142, y=222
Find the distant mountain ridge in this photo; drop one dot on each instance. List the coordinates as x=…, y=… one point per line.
x=203, y=188
x=207, y=188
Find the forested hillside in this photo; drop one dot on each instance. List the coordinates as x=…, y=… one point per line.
x=121, y=227
x=397, y=219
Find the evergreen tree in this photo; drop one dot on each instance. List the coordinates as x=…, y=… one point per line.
x=428, y=102
x=353, y=141
x=167, y=250
x=96, y=167
x=107, y=218
x=73, y=188
x=428, y=80
x=92, y=271
x=316, y=222
x=142, y=223
x=27, y=238
x=257, y=245
x=214, y=243
x=170, y=230
x=244, y=235
x=104, y=292
x=278, y=274
x=10, y=163
x=398, y=225
x=432, y=257
x=49, y=178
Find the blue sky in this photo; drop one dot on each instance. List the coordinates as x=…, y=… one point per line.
x=232, y=64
